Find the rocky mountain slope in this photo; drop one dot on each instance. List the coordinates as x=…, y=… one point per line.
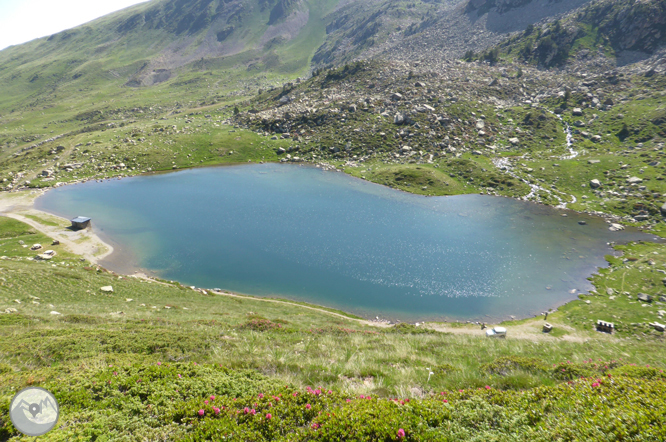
x=155, y=42
x=622, y=32
x=156, y=87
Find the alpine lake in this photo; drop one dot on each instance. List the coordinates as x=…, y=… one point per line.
x=326, y=238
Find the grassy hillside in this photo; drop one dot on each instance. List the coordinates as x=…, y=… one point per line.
x=139, y=362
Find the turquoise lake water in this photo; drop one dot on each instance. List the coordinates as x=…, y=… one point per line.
x=327, y=238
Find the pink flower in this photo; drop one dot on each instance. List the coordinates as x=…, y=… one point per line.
x=253, y=412
x=246, y=410
x=362, y=397
x=308, y=406
x=110, y=365
x=179, y=376
x=261, y=395
x=595, y=384
x=159, y=363
x=115, y=373
x=315, y=426
x=402, y=402
x=201, y=412
x=206, y=402
x=212, y=398
x=445, y=401
x=216, y=410
x=401, y=433
x=330, y=391
x=487, y=387
x=269, y=416
x=348, y=400
x=295, y=393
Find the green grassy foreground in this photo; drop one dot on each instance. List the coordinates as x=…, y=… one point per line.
x=138, y=363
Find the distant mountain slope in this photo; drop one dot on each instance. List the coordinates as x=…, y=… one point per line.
x=203, y=50
x=144, y=44
x=622, y=30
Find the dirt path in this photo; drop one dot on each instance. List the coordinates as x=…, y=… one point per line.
x=531, y=330
x=84, y=243
x=316, y=309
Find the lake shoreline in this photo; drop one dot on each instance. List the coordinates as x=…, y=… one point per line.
x=28, y=202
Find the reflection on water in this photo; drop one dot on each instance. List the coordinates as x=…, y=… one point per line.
x=327, y=238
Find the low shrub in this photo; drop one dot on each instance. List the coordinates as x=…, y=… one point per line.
x=505, y=365
x=194, y=402
x=406, y=328
x=260, y=325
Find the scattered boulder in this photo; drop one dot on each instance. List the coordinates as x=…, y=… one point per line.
x=634, y=180
x=662, y=209
x=401, y=118
x=614, y=227
x=514, y=141
x=107, y=289
x=595, y=183
x=657, y=326
x=643, y=297
x=577, y=112
x=396, y=96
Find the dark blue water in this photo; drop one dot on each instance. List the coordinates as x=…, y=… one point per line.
x=324, y=237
